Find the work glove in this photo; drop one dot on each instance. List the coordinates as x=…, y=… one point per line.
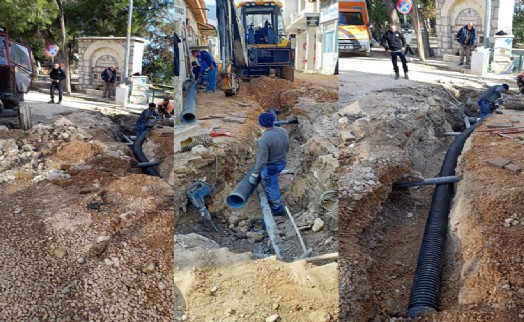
x=501, y=101
x=253, y=179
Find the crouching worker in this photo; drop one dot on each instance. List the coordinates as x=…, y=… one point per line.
x=271, y=159
x=489, y=97
x=520, y=82
x=145, y=116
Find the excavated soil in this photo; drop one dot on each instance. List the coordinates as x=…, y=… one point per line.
x=313, y=159
x=84, y=238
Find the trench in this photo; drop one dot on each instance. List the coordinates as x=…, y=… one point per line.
x=386, y=249
x=241, y=230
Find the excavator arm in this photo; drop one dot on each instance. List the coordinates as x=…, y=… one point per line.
x=233, y=50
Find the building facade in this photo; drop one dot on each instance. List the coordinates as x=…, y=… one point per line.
x=314, y=23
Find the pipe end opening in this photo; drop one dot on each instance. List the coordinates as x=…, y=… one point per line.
x=235, y=201
x=188, y=118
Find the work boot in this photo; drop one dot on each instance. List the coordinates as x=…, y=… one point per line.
x=397, y=75
x=51, y=101
x=406, y=75
x=59, y=102
x=461, y=64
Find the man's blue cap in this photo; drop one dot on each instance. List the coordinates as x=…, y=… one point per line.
x=266, y=119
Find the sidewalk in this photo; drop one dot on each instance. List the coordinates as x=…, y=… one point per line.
x=454, y=67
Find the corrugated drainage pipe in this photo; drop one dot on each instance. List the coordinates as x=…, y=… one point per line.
x=140, y=156
x=238, y=197
x=425, y=291
x=188, y=115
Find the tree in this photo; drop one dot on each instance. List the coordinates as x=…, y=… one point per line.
x=65, y=49
x=518, y=22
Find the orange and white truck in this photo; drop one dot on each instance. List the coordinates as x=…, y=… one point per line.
x=353, y=27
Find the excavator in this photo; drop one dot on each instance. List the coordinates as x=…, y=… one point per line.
x=252, y=43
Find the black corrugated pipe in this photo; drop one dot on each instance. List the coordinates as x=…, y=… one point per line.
x=238, y=197
x=425, y=291
x=188, y=115
x=140, y=156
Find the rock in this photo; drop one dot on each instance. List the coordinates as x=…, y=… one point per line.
x=346, y=137
x=81, y=260
x=213, y=289
x=108, y=262
x=24, y=175
x=59, y=253
x=199, y=149
x=319, y=316
x=233, y=220
x=184, y=317
x=148, y=267
x=409, y=215
x=506, y=224
x=28, y=147
x=4, y=128
x=515, y=222
x=254, y=236
x=273, y=318
x=328, y=241
x=161, y=286
x=103, y=239
x=66, y=290
x=318, y=224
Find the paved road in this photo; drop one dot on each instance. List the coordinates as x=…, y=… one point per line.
x=360, y=76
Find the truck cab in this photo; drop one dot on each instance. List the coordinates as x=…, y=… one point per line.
x=354, y=35
x=16, y=75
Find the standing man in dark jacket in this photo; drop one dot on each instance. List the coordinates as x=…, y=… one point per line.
x=467, y=38
x=272, y=149
x=208, y=65
x=394, y=42
x=109, y=77
x=57, y=76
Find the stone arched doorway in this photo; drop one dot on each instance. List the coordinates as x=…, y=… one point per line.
x=100, y=65
x=466, y=16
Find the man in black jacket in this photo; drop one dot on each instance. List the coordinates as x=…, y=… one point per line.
x=57, y=76
x=394, y=42
x=109, y=77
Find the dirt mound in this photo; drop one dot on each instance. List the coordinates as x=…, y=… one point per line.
x=281, y=93
x=263, y=288
x=93, y=241
x=77, y=152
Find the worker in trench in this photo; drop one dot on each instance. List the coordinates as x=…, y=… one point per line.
x=148, y=114
x=271, y=159
x=166, y=108
x=489, y=97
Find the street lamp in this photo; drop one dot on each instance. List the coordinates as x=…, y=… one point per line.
x=128, y=42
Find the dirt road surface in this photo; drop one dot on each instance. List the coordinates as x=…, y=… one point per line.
x=395, y=131
x=84, y=236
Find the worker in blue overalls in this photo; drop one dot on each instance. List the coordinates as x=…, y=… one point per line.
x=208, y=65
x=145, y=116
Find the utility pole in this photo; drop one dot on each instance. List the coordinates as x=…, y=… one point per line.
x=487, y=24
x=178, y=81
x=416, y=25
x=128, y=42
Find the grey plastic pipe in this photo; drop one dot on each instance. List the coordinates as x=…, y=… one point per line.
x=238, y=197
x=427, y=182
x=188, y=115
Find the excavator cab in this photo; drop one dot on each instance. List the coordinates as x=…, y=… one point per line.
x=268, y=50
